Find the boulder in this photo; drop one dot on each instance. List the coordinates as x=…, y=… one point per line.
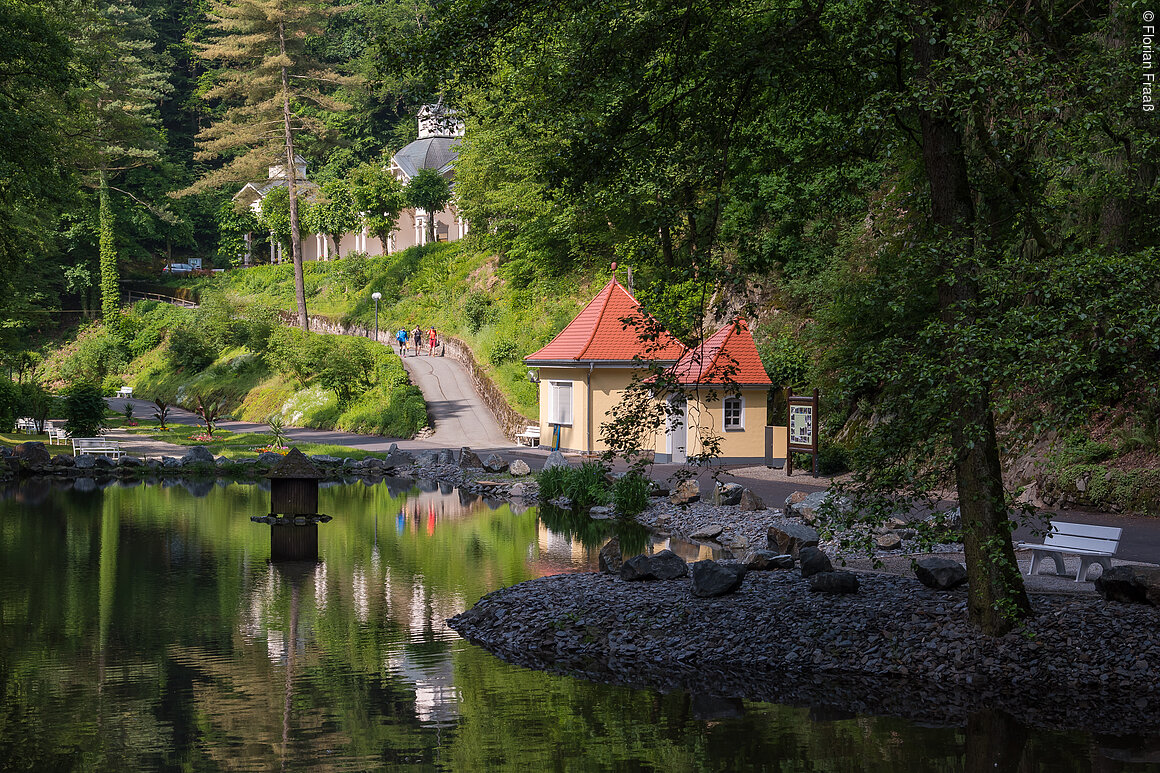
x=765, y=560
x=103, y=462
x=712, y=531
x=555, y=459
x=446, y=456
x=940, y=573
x=172, y=461
x=321, y=458
x=519, y=468
x=266, y=457
x=600, y=513
x=131, y=461
x=610, y=557
x=518, y=490
x=750, y=501
x=713, y=579
x=727, y=494
x=834, y=582
x=33, y=453
x=394, y=448
x=1130, y=584
x=469, y=460
x=791, y=538
x=814, y=561
x=425, y=459
x=399, y=459
x=799, y=504
x=665, y=565
x=198, y=455
x=686, y=491
x=888, y=541
x=495, y=463
x=64, y=460
x=951, y=519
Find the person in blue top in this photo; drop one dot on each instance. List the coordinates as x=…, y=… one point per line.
x=401, y=337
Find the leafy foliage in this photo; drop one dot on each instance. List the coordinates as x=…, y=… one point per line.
x=84, y=410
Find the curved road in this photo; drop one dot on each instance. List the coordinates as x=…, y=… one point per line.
x=458, y=414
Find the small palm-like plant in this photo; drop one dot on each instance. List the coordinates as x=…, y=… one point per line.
x=161, y=413
x=209, y=412
x=278, y=431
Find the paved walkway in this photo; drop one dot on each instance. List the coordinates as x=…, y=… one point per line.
x=457, y=412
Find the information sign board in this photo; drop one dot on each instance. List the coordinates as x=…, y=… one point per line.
x=803, y=430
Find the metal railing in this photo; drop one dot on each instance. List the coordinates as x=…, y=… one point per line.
x=134, y=295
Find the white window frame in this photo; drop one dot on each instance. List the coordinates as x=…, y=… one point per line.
x=559, y=407
x=740, y=408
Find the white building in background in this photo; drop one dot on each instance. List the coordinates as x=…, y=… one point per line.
x=436, y=148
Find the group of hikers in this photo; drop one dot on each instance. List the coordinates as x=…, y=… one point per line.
x=414, y=340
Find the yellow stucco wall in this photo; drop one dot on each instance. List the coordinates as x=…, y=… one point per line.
x=707, y=417
x=607, y=388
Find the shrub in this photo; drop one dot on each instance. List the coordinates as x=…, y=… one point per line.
x=551, y=482
x=189, y=348
x=630, y=494
x=84, y=410
x=476, y=310
x=36, y=402
x=9, y=404
x=504, y=351
x=587, y=485
x=833, y=459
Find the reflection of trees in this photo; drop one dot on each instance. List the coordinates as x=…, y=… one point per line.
x=594, y=533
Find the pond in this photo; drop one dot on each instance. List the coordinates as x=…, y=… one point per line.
x=145, y=628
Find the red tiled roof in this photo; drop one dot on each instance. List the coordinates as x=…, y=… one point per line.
x=598, y=335
x=729, y=355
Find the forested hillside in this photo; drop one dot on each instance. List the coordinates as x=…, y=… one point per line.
x=944, y=213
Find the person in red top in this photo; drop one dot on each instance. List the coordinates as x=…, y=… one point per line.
x=432, y=341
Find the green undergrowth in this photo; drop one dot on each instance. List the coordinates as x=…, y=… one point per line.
x=237, y=445
x=453, y=287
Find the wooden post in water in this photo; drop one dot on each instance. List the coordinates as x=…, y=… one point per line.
x=294, y=504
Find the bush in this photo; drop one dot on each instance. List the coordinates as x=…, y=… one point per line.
x=833, y=459
x=10, y=404
x=189, y=348
x=504, y=351
x=476, y=310
x=98, y=354
x=630, y=494
x=84, y=410
x=36, y=402
x=551, y=482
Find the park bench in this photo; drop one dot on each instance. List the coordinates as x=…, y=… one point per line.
x=125, y=391
x=96, y=446
x=1093, y=544
x=26, y=426
x=531, y=434
x=56, y=435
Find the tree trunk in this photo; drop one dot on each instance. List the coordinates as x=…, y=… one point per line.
x=291, y=183
x=110, y=298
x=996, y=596
x=337, y=250
x=430, y=228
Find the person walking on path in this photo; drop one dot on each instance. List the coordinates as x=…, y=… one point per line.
x=401, y=337
x=417, y=336
x=432, y=341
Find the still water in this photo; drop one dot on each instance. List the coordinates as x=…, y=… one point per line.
x=144, y=628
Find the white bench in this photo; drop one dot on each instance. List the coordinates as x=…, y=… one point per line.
x=26, y=426
x=531, y=434
x=96, y=445
x=125, y=392
x=1093, y=545
x=56, y=435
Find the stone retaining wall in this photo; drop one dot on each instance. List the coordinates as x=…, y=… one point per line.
x=511, y=421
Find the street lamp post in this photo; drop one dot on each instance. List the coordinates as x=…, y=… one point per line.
x=376, y=296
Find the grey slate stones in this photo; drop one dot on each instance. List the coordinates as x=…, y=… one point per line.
x=834, y=582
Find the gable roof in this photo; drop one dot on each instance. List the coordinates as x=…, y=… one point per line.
x=729, y=355
x=598, y=335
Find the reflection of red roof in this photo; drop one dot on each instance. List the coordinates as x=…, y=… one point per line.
x=598, y=335
x=730, y=355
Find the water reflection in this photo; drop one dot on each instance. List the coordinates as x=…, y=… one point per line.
x=146, y=628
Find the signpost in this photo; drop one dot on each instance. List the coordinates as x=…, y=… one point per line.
x=803, y=428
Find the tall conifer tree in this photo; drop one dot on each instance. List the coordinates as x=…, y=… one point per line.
x=267, y=73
